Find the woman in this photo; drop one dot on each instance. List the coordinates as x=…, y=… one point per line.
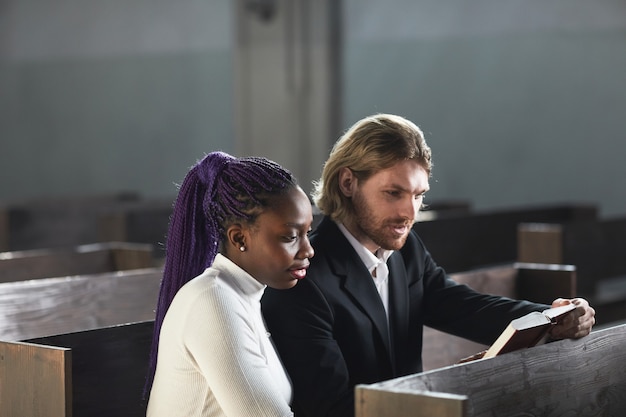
x=238, y=225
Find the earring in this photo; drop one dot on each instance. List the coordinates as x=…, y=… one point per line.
x=242, y=248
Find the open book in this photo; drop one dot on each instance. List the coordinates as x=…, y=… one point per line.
x=524, y=332
x=529, y=330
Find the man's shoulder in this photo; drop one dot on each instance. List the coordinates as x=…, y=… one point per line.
x=328, y=239
x=325, y=227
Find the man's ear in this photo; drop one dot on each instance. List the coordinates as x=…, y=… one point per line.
x=347, y=181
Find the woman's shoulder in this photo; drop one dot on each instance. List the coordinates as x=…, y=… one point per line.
x=209, y=285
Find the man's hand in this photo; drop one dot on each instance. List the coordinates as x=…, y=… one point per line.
x=577, y=323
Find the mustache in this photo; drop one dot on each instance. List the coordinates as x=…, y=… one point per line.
x=400, y=222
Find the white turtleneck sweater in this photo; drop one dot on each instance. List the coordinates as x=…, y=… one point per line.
x=215, y=355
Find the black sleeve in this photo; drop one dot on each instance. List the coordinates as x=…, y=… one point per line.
x=301, y=324
x=459, y=310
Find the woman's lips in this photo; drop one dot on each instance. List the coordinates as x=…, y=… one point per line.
x=298, y=273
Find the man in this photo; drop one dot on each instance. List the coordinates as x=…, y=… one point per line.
x=358, y=316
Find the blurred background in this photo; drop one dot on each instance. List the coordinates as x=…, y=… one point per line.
x=522, y=102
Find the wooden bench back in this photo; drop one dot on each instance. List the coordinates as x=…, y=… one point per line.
x=55, y=221
x=597, y=248
x=108, y=367
x=144, y=221
x=51, y=306
x=62, y=222
x=581, y=377
x=92, y=373
x=36, y=380
x=534, y=282
x=464, y=242
x=100, y=372
x=76, y=260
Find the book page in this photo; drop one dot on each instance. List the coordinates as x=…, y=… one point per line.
x=557, y=313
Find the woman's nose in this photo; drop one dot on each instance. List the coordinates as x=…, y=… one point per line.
x=307, y=250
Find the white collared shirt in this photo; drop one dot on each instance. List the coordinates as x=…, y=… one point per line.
x=376, y=264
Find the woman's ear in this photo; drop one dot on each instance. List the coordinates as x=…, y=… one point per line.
x=236, y=237
x=347, y=181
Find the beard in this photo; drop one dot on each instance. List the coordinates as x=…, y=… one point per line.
x=380, y=230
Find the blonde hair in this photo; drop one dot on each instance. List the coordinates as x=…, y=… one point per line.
x=372, y=144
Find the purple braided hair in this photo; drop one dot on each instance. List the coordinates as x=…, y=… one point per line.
x=218, y=191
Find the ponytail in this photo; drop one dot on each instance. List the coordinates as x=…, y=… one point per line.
x=217, y=191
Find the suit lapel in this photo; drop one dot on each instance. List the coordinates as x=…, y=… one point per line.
x=398, y=300
x=364, y=294
x=357, y=280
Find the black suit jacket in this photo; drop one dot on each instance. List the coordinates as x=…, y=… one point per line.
x=332, y=332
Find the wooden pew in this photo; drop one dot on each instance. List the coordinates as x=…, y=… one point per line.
x=540, y=283
x=584, y=377
x=76, y=260
x=55, y=221
x=61, y=222
x=597, y=248
x=49, y=306
x=101, y=373
x=463, y=242
x=92, y=373
x=143, y=221
x=84, y=368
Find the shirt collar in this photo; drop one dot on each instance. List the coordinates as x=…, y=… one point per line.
x=369, y=259
x=246, y=283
